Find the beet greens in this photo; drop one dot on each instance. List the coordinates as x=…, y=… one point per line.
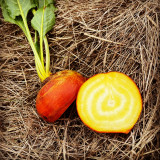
x=43, y=19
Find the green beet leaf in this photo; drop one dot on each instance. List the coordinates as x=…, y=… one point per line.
x=44, y=19
x=43, y=3
x=15, y=6
x=16, y=11
x=18, y=20
x=5, y=13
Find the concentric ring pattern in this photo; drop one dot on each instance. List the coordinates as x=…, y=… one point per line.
x=109, y=102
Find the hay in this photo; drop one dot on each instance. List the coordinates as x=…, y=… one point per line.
x=89, y=37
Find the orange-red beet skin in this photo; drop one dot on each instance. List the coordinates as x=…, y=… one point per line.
x=58, y=94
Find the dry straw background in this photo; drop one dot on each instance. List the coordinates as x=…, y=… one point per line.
x=90, y=36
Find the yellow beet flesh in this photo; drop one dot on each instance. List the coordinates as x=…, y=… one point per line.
x=109, y=103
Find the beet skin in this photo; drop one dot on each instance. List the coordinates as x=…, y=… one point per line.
x=58, y=94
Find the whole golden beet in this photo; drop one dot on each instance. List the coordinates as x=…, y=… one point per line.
x=58, y=94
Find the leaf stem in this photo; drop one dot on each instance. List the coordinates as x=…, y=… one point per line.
x=42, y=78
x=35, y=37
x=47, y=55
x=41, y=39
x=36, y=42
x=39, y=66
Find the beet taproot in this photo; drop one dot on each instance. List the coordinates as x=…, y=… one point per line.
x=58, y=94
x=109, y=103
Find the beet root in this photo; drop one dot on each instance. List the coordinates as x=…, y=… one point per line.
x=58, y=94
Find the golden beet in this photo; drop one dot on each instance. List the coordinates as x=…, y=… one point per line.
x=58, y=94
x=109, y=103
